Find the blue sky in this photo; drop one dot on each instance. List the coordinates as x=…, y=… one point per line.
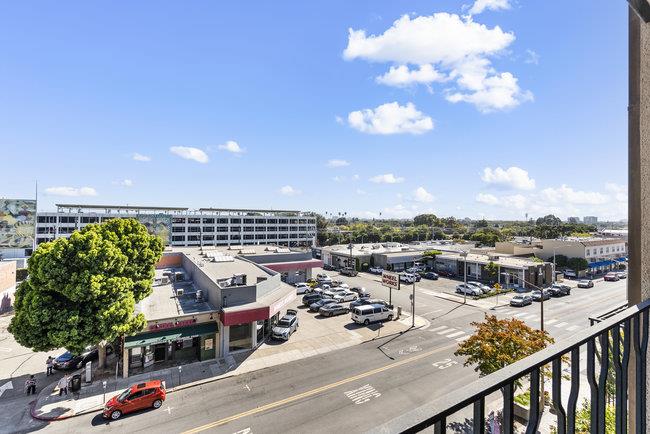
x=425, y=106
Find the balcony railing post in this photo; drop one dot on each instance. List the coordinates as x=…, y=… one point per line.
x=602, y=380
x=557, y=395
x=479, y=416
x=533, y=419
x=575, y=389
x=508, y=408
x=591, y=378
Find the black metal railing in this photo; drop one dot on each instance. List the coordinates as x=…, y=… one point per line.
x=611, y=345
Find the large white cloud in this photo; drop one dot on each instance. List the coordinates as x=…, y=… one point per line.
x=71, y=191
x=480, y=6
x=566, y=194
x=619, y=192
x=190, y=153
x=232, y=147
x=440, y=47
x=391, y=118
x=139, y=157
x=487, y=198
x=288, y=190
x=512, y=177
x=388, y=178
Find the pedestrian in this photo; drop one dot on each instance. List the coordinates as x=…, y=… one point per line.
x=30, y=385
x=49, y=363
x=63, y=385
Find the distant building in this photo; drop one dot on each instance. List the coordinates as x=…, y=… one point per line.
x=573, y=220
x=602, y=254
x=590, y=220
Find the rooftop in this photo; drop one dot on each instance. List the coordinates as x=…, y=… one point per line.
x=506, y=261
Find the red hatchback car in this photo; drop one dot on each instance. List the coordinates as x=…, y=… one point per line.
x=137, y=397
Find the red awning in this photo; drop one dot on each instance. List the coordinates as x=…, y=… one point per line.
x=262, y=309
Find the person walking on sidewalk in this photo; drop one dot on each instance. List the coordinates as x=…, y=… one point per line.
x=49, y=364
x=63, y=385
x=30, y=385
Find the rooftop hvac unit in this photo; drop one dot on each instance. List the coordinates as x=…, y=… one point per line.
x=180, y=292
x=199, y=295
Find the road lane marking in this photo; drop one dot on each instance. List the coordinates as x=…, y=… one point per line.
x=519, y=314
x=316, y=391
x=446, y=331
x=561, y=324
x=463, y=339
x=572, y=328
x=438, y=329
x=453, y=335
x=362, y=394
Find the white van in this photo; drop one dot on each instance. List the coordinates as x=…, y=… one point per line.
x=371, y=313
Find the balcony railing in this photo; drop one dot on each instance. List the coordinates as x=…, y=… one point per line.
x=621, y=340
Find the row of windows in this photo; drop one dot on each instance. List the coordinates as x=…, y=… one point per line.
x=70, y=219
x=179, y=238
x=246, y=221
x=605, y=250
x=239, y=229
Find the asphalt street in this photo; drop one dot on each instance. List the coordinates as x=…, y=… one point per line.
x=357, y=388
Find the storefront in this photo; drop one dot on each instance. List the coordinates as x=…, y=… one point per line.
x=169, y=344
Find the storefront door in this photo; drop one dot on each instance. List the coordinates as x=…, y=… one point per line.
x=159, y=352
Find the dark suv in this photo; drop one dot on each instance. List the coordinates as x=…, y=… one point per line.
x=310, y=298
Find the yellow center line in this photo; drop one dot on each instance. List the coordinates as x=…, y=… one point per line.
x=315, y=391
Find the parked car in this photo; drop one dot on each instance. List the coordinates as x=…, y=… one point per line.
x=409, y=277
x=286, y=325
x=558, y=290
x=484, y=288
x=150, y=394
x=333, y=309
x=372, y=313
x=68, y=361
x=611, y=277
x=375, y=270
x=468, y=289
x=345, y=296
x=310, y=298
x=315, y=306
x=323, y=278
x=333, y=292
x=349, y=271
x=302, y=288
x=585, y=283
x=431, y=275
x=367, y=301
x=328, y=267
x=537, y=294
x=445, y=273
x=521, y=300
x=622, y=275
x=415, y=269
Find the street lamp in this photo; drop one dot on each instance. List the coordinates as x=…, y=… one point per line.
x=541, y=316
x=464, y=255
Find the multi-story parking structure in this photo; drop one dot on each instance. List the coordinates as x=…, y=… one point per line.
x=183, y=227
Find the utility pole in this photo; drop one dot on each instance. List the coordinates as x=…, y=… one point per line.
x=413, y=306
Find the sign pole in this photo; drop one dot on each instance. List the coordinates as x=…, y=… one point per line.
x=413, y=309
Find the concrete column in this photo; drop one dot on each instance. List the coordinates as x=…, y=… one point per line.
x=638, y=283
x=125, y=363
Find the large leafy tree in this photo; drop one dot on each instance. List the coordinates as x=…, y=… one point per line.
x=498, y=343
x=82, y=291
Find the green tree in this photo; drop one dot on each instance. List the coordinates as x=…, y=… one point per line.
x=550, y=220
x=426, y=219
x=578, y=264
x=561, y=261
x=500, y=342
x=82, y=291
x=492, y=269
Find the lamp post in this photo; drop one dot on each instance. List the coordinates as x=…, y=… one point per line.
x=464, y=255
x=541, y=316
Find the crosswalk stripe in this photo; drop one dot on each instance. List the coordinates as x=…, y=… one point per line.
x=520, y=314
x=446, y=331
x=453, y=335
x=572, y=328
x=533, y=318
x=551, y=321
x=464, y=338
x=561, y=324
x=438, y=329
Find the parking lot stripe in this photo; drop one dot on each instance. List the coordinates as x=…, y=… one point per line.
x=438, y=329
x=453, y=335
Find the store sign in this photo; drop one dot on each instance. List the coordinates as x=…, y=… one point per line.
x=390, y=280
x=172, y=324
x=208, y=344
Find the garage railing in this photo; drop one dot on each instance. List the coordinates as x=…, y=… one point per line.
x=616, y=353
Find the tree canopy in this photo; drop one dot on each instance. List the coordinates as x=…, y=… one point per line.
x=83, y=290
x=500, y=342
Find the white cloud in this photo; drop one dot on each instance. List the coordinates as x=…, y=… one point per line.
x=288, y=190
x=443, y=46
x=532, y=57
x=190, y=153
x=71, y=191
x=339, y=120
x=337, y=163
x=421, y=195
x=388, y=178
x=618, y=191
x=487, y=198
x=338, y=178
x=402, y=76
x=391, y=118
x=231, y=146
x=355, y=177
x=512, y=177
x=140, y=157
x=480, y=6
x=124, y=183
x=568, y=195
x=360, y=192
x=516, y=201
x=398, y=211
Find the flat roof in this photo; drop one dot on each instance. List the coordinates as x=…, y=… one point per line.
x=219, y=271
x=247, y=210
x=120, y=207
x=507, y=261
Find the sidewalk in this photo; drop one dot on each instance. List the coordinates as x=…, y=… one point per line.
x=315, y=336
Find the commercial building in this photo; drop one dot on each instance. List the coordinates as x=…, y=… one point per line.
x=182, y=227
x=207, y=303
x=7, y=284
x=602, y=254
x=573, y=219
x=590, y=220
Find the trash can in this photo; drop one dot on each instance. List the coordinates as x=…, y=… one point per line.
x=75, y=383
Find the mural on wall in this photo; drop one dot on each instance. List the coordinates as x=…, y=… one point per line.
x=17, y=223
x=157, y=224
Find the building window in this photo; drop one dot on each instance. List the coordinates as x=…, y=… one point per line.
x=222, y=237
x=271, y=221
x=235, y=228
x=234, y=237
x=89, y=219
x=241, y=337
x=283, y=229
x=235, y=221
x=46, y=219
x=222, y=221
x=208, y=237
x=588, y=252
x=178, y=229
x=261, y=221
x=284, y=221
x=249, y=221
x=208, y=221
x=193, y=220
x=260, y=237
x=67, y=219
x=283, y=236
x=178, y=220
x=249, y=237
x=178, y=238
x=222, y=228
x=193, y=238
x=208, y=228
x=248, y=229
x=194, y=229
x=601, y=250
x=260, y=228
x=293, y=236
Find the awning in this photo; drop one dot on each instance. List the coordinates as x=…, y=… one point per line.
x=621, y=259
x=264, y=308
x=601, y=264
x=163, y=336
